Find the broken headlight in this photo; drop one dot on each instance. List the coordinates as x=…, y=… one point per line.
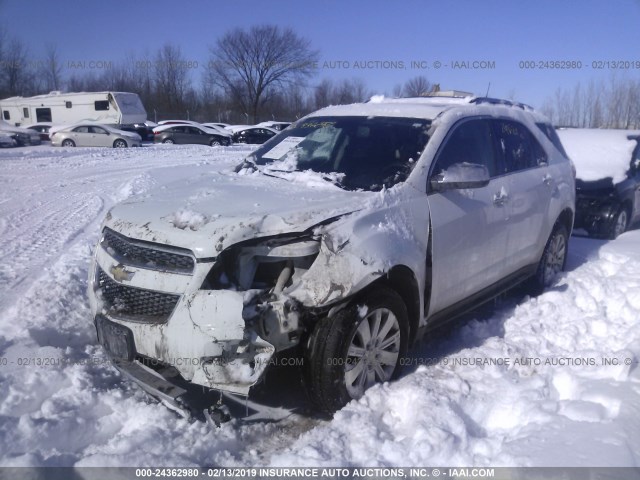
x=272, y=264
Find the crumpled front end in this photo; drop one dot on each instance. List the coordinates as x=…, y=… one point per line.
x=150, y=309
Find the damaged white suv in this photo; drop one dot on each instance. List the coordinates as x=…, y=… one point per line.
x=343, y=238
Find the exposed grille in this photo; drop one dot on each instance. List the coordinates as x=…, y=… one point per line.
x=140, y=254
x=135, y=303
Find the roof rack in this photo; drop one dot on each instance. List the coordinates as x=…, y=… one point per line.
x=499, y=101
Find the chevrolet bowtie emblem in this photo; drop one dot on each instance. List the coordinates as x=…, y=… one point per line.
x=120, y=273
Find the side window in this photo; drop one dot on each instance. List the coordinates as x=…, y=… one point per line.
x=470, y=142
x=551, y=134
x=6, y=115
x=81, y=129
x=194, y=131
x=98, y=130
x=25, y=112
x=519, y=147
x=101, y=104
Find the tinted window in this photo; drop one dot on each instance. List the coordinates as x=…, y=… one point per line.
x=102, y=105
x=6, y=115
x=81, y=129
x=25, y=112
x=194, y=131
x=470, y=142
x=552, y=135
x=99, y=130
x=520, y=149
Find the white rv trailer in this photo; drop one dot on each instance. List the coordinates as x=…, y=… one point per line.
x=68, y=108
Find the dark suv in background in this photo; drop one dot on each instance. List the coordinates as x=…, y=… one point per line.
x=607, y=178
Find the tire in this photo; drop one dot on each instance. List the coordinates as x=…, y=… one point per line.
x=553, y=260
x=68, y=143
x=215, y=143
x=340, y=364
x=168, y=141
x=619, y=224
x=119, y=144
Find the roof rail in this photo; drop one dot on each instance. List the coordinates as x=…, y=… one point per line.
x=499, y=101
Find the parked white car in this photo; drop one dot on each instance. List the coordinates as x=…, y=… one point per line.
x=342, y=240
x=93, y=135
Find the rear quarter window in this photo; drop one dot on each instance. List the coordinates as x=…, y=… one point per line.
x=552, y=135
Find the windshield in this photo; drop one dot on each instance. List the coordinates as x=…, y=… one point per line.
x=358, y=153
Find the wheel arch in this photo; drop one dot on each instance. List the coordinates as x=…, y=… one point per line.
x=402, y=280
x=566, y=218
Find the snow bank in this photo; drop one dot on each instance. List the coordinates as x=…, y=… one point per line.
x=597, y=153
x=550, y=381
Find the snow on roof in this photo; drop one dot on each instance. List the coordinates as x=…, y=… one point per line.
x=384, y=109
x=598, y=154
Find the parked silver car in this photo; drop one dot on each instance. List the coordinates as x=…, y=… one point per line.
x=93, y=135
x=430, y=207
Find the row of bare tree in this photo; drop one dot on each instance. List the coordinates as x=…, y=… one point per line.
x=263, y=73
x=614, y=103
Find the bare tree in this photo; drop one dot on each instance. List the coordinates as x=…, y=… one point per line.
x=172, y=83
x=250, y=65
x=615, y=104
x=51, y=69
x=18, y=74
x=416, y=87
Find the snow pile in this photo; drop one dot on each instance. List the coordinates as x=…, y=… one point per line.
x=551, y=381
x=187, y=219
x=599, y=154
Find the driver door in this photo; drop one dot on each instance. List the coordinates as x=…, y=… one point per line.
x=469, y=233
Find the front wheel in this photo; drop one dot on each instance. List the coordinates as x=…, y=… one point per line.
x=119, y=144
x=619, y=224
x=358, y=347
x=168, y=141
x=215, y=143
x=553, y=260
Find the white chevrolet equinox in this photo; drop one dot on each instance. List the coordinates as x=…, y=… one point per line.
x=435, y=205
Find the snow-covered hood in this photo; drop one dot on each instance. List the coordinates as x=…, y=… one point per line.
x=211, y=213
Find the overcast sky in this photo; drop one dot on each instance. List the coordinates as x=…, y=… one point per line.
x=382, y=38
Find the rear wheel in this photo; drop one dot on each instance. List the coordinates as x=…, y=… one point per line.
x=119, y=144
x=619, y=224
x=554, y=258
x=358, y=347
x=68, y=143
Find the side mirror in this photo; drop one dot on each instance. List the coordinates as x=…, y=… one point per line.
x=461, y=176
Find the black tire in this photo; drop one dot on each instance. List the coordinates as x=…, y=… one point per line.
x=119, y=144
x=215, y=143
x=168, y=141
x=68, y=143
x=336, y=348
x=553, y=260
x=619, y=224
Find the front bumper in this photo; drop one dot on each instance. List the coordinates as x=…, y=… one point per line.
x=166, y=318
x=595, y=215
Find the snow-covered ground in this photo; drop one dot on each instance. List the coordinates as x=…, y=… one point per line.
x=519, y=383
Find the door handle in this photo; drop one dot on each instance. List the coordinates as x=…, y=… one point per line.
x=547, y=180
x=500, y=198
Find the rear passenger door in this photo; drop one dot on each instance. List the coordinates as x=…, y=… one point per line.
x=530, y=187
x=469, y=226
